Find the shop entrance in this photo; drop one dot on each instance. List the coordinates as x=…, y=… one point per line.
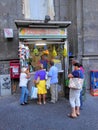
x=48, y=41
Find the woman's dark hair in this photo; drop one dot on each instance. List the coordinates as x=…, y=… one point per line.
x=81, y=65
x=51, y=63
x=77, y=64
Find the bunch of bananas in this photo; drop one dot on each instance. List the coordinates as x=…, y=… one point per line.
x=54, y=53
x=64, y=52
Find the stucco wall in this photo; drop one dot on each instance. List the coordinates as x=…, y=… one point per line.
x=90, y=37
x=89, y=63
x=90, y=27
x=61, y=9
x=9, y=11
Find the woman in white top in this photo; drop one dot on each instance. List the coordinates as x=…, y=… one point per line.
x=24, y=76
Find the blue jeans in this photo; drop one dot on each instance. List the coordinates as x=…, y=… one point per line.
x=81, y=100
x=24, y=94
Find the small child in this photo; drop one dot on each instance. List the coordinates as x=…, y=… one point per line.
x=24, y=76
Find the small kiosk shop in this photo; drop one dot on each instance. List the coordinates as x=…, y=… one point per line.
x=43, y=41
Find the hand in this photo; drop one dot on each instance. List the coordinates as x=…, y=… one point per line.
x=70, y=76
x=34, y=81
x=28, y=76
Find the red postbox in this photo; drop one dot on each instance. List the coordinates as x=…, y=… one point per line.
x=14, y=69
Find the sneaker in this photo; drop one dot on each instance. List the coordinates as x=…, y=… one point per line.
x=22, y=104
x=26, y=103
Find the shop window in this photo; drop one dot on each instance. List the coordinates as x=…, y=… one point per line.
x=32, y=53
x=37, y=9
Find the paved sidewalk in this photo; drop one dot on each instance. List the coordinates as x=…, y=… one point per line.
x=13, y=116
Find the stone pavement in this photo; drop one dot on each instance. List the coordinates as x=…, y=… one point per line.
x=13, y=116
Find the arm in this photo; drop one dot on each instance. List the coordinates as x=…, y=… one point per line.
x=73, y=74
x=35, y=77
x=70, y=76
x=50, y=73
x=28, y=74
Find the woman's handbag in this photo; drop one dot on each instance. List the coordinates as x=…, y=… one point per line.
x=34, y=91
x=75, y=83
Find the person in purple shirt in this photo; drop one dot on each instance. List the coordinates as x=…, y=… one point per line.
x=41, y=85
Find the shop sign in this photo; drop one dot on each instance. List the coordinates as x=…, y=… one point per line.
x=47, y=33
x=8, y=33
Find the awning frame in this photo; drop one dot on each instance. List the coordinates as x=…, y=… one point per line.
x=42, y=24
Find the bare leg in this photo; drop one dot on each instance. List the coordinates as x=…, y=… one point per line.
x=78, y=111
x=39, y=99
x=44, y=98
x=73, y=113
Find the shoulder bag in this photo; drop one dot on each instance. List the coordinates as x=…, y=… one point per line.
x=76, y=83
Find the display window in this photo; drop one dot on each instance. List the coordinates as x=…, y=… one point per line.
x=32, y=54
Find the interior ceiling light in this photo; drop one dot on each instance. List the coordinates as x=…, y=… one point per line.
x=40, y=44
x=43, y=26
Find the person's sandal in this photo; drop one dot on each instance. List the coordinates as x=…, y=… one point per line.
x=78, y=114
x=71, y=116
x=44, y=102
x=39, y=103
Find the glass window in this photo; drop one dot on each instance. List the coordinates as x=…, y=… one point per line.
x=37, y=9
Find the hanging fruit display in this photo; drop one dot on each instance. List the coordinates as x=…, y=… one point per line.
x=54, y=53
x=35, y=51
x=45, y=52
x=64, y=52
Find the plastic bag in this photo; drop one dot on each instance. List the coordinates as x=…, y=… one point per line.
x=48, y=82
x=34, y=91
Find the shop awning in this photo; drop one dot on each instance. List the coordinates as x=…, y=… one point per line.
x=29, y=29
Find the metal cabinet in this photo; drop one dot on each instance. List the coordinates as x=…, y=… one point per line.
x=94, y=82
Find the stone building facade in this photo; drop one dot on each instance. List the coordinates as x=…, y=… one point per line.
x=82, y=33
